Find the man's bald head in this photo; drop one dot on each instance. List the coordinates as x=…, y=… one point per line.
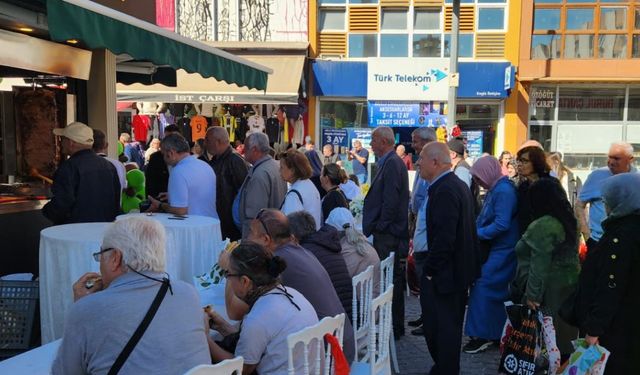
x=275, y=224
x=216, y=140
x=434, y=160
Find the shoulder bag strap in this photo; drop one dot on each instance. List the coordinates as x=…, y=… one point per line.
x=292, y=191
x=137, y=335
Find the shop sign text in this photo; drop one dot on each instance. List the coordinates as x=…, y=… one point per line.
x=544, y=98
x=407, y=79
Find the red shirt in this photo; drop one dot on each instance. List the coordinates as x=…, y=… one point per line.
x=141, y=125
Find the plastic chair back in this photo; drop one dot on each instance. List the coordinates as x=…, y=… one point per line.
x=226, y=367
x=312, y=340
x=362, y=296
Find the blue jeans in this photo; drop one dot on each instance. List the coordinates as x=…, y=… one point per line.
x=362, y=178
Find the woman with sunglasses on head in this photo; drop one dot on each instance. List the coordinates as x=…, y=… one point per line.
x=532, y=166
x=253, y=275
x=331, y=178
x=548, y=265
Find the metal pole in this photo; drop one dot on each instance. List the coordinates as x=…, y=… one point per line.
x=453, y=65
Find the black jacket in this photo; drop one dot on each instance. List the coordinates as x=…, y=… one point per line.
x=231, y=170
x=85, y=189
x=387, y=202
x=325, y=245
x=334, y=198
x=607, y=302
x=453, y=258
x=156, y=175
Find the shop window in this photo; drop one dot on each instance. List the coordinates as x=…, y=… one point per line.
x=587, y=104
x=542, y=104
x=331, y=2
x=465, y=45
x=393, y=20
x=394, y=45
x=492, y=1
x=427, y=45
x=363, y=45
x=343, y=114
x=579, y=19
x=427, y=19
x=545, y=46
x=637, y=18
x=612, y=46
x=613, y=18
x=363, y=1
x=578, y=46
x=636, y=46
x=546, y=19
x=491, y=19
x=332, y=19
x=547, y=1
x=633, y=111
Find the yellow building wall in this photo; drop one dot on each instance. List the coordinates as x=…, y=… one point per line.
x=516, y=105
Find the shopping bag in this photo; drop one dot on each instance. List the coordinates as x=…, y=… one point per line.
x=586, y=359
x=550, y=349
x=521, y=348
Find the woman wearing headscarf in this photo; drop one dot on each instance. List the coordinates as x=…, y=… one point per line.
x=607, y=302
x=316, y=169
x=547, y=253
x=497, y=228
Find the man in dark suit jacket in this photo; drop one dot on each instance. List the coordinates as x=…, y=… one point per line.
x=385, y=214
x=452, y=259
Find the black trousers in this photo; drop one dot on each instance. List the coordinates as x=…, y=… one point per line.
x=443, y=315
x=384, y=244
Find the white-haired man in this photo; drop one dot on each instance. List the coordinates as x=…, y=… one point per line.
x=620, y=159
x=105, y=316
x=262, y=188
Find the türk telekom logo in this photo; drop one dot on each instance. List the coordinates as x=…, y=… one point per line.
x=433, y=75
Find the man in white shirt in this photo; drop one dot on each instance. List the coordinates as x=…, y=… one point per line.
x=192, y=182
x=100, y=146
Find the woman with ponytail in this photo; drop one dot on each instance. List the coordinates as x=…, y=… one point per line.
x=274, y=312
x=331, y=178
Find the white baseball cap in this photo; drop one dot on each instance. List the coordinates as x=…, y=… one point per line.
x=77, y=132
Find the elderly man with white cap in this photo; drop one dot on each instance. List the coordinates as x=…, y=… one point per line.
x=85, y=187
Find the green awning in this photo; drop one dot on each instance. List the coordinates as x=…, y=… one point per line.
x=100, y=27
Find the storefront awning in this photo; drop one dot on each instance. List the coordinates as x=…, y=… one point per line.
x=282, y=87
x=100, y=27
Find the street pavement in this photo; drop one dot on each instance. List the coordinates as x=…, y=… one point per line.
x=414, y=358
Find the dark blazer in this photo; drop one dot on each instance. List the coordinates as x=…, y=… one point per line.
x=452, y=259
x=387, y=202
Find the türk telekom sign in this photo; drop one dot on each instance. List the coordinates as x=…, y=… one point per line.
x=402, y=79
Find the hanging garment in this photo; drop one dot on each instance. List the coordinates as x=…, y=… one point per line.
x=198, y=125
x=241, y=129
x=184, y=126
x=256, y=124
x=298, y=132
x=140, y=125
x=273, y=129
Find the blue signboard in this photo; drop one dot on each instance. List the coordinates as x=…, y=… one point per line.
x=406, y=114
x=475, y=147
x=336, y=137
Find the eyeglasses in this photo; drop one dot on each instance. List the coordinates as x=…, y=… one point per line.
x=522, y=161
x=226, y=274
x=259, y=218
x=96, y=256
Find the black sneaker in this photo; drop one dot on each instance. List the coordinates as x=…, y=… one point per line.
x=415, y=323
x=476, y=346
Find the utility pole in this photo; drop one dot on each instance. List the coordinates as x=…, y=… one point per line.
x=453, y=66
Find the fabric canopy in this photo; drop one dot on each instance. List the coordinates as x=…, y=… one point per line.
x=282, y=87
x=100, y=27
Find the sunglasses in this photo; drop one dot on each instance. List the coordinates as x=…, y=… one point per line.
x=260, y=218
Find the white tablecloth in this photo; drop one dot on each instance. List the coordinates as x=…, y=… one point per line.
x=193, y=246
x=34, y=362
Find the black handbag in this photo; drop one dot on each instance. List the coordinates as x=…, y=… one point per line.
x=567, y=310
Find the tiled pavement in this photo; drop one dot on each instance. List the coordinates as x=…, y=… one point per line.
x=414, y=359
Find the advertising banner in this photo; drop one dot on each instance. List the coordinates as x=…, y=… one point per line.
x=408, y=79
x=406, y=114
x=336, y=137
x=474, y=142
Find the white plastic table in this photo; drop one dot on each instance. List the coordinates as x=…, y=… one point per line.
x=34, y=362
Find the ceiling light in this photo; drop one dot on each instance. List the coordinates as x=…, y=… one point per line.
x=25, y=29
x=72, y=41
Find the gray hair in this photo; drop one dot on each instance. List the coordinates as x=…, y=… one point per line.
x=125, y=137
x=141, y=241
x=626, y=147
x=218, y=133
x=385, y=133
x=175, y=142
x=426, y=134
x=439, y=152
x=259, y=141
x=301, y=224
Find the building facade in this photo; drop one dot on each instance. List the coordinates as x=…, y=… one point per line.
x=386, y=62
x=579, y=70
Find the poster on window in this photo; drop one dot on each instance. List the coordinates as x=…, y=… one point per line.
x=408, y=79
x=474, y=143
x=336, y=137
x=406, y=114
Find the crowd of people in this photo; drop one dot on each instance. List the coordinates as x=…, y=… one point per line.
x=480, y=234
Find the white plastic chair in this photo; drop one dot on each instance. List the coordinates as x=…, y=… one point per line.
x=313, y=338
x=379, y=338
x=362, y=284
x=386, y=280
x=226, y=367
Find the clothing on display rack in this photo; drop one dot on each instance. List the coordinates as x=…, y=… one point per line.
x=273, y=129
x=184, y=126
x=141, y=125
x=155, y=129
x=256, y=124
x=198, y=125
x=207, y=109
x=242, y=129
x=297, y=130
